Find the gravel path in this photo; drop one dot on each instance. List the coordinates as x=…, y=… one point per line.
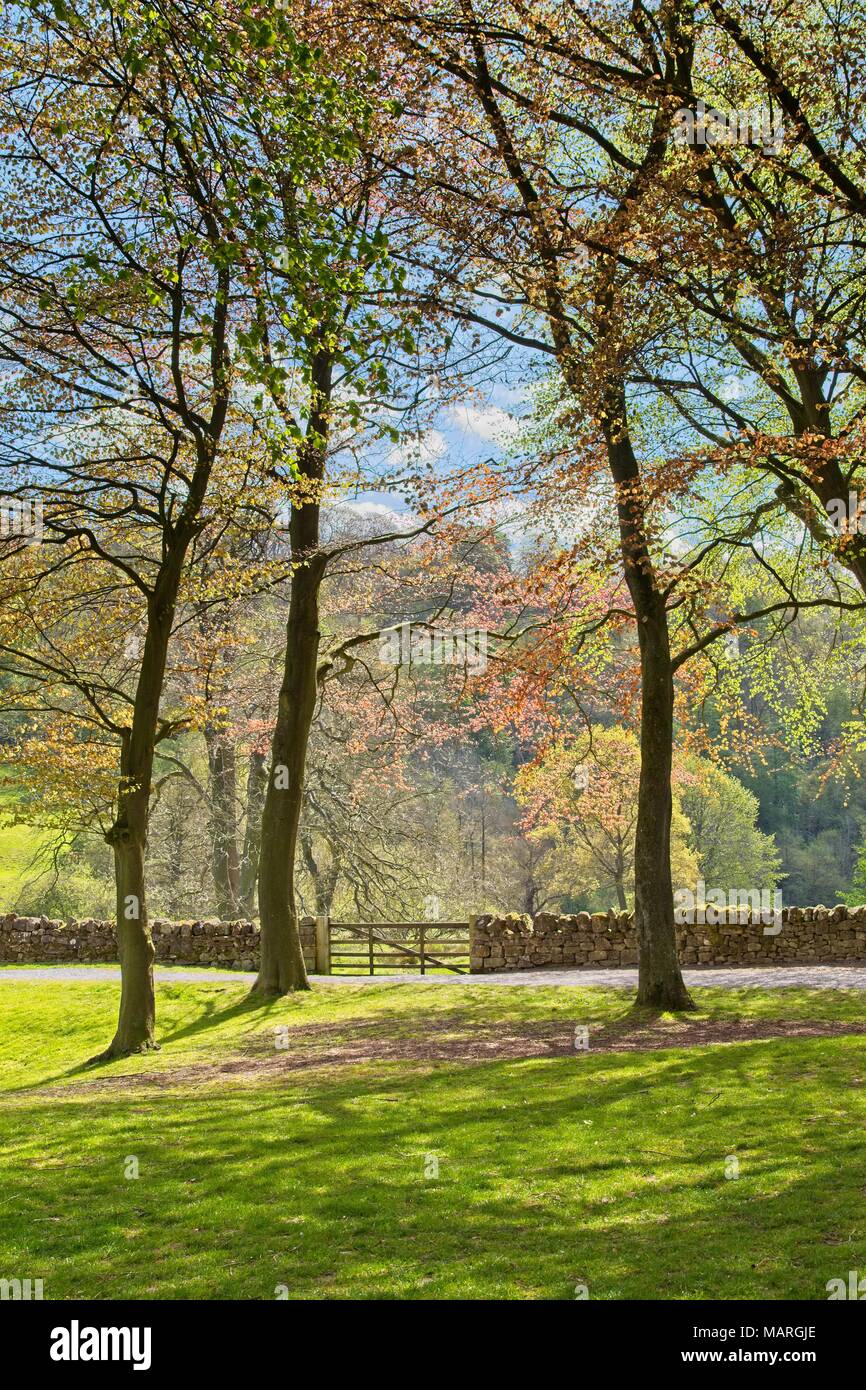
x=766, y=977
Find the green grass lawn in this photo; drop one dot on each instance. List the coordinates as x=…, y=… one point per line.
x=19, y=846
x=27, y=865
x=599, y=1169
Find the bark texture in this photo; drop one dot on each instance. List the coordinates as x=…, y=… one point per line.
x=257, y=783
x=282, y=963
x=660, y=981
x=225, y=865
x=128, y=835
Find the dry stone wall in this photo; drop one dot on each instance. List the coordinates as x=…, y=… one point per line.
x=816, y=935
x=809, y=935
x=230, y=945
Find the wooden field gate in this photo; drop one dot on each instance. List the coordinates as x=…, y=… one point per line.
x=391, y=948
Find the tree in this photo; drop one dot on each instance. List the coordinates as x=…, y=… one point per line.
x=769, y=305
x=722, y=814
x=132, y=256
x=339, y=380
x=584, y=798
x=573, y=210
x=532, y=85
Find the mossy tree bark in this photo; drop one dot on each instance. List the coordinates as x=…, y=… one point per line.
x=257, y=782
x=225, y=865
x=324, y=877
x=137, y=1016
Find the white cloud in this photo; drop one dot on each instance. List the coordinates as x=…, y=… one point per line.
x=362, y=518
x=491, y=423
x=419, y=448
x=732, y=388
x=374, y=511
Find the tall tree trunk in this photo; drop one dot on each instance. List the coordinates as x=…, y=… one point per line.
x=324, y=880
x=660, y=981
x=282, y=966
x=328, y=887
x=223, y=822
x=282, y=963
x=128, y=839
x=176, y=829
x=128, y=835
x=137, y=1017
x=257, y=781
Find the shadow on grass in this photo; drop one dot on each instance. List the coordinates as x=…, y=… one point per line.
x=638, y=1022
x=551, y=1175
x=613, y=1019
x=635, y=1025
x=253, y=1006
x=211, y=1016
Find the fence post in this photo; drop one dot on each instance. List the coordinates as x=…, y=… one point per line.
x=323, y=945
x=473, y=966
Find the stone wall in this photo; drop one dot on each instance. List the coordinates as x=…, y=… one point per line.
x=231, y=945
x=825, y=935
x=810, y=934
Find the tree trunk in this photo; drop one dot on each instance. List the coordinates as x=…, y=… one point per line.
x=324, y=880
x=660, y=981
x=128, y=838
x=128, y=835
x=327, y=888
x=282, y=963
x=177, y=815
x=137, y=1017
x=223, y=823
x=257, y=781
